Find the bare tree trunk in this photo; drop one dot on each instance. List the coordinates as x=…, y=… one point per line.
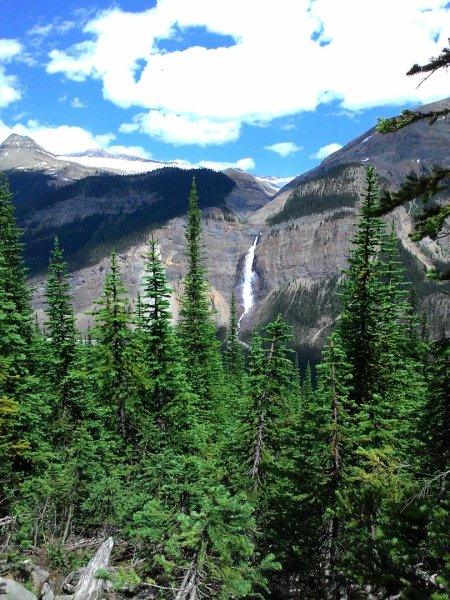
x=90, y=587
x=189, y=585
x=257, y=454
x=68, y=522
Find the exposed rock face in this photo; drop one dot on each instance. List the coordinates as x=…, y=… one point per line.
x=416, y=148
x=226, y=243
x=22, y=153
x=302, y=249
x=249, y=195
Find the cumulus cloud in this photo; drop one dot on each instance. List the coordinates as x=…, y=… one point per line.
x=185, y=129
x=129, y=127
x=245, y=164
x=9, y=84
x=284, y=148
x=62, y=139
x=320, y=51
x=326, y=151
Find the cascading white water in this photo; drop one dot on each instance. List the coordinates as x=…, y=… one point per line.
x=247, y=290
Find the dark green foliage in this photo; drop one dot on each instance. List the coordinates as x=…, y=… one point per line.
x=408, y=117
x=332, y=194
x=197, y=330
x=136, y=205
x=422, y=187
x=431, y=221
x=60, y=326
x=112, y=318
x=374, y=389
x=166, y=394
x=439, y=62
x=234, y=355
x=236, y=481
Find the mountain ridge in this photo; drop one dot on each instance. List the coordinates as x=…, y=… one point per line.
x=300, y=254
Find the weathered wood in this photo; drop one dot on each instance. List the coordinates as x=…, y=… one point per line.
x=83, y=543
x=90, y=587
x=7, y=521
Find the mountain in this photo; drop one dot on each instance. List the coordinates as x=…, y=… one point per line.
x=305, y=229
x=308, y=225
x=117, y=163
x=21, y=153
x=414, y=148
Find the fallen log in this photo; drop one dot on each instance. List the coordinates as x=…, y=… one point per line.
x=90, y=587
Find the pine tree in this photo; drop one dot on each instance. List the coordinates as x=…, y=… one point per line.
x=16, y=311
x=273, y=441
x=60, y=324
x=12, y=250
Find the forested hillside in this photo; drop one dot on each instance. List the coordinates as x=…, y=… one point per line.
x=225, y=474
x=96, y=213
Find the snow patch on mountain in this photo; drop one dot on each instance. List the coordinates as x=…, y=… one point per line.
x=119, y=163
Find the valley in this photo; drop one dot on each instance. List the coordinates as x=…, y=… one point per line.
x=304, y=228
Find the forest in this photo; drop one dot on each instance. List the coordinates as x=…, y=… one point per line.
x=221, y=471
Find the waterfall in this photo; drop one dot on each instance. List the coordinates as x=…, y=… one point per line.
x=247, y=291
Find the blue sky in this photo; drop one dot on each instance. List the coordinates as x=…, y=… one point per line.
x=268, y=86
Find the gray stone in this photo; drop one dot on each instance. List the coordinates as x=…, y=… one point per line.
x=47, y=592
x=12, y=590
x=39, y=577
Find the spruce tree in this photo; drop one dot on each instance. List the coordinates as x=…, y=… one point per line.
x=11, y=249
x=380, y=391
x=168, y=397
x=197, y=330
x=60, y=324
x=234, y=355
x=112, y=334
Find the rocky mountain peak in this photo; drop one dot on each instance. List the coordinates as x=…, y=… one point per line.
x=19, y=143
x=21, y=153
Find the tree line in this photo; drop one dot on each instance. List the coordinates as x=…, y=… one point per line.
x=224, y=473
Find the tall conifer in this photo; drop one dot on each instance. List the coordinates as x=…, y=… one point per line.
x=197, y=329
x=60, y=324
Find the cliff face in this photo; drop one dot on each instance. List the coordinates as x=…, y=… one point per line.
x=305, y=231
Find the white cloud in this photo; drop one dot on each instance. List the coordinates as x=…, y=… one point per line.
x=41, y=30
x=245, y=164
x=128, y=127
x=185, y=129
x=326, y=151
x=201, y=95
x=77, y=103
x=65, y=139
x=9, y=84
x=62, y=139
x=284, y=148
x=130, y=150
x=9, y=49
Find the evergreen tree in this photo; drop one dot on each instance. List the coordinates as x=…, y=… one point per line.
x=11, y=249
x=112, y=333
x=377, y=394
x=60, y=324
x=198, y=334
x=14, y=296
x=234, y=355
x=168, y=397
